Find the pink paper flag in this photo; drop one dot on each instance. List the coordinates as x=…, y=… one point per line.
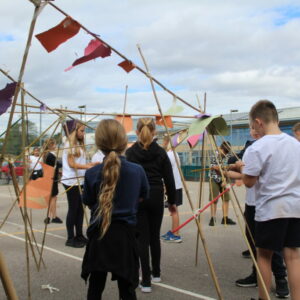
x=93, y=50
x=194, y=139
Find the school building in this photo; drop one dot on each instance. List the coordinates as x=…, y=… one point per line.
x=238, y=124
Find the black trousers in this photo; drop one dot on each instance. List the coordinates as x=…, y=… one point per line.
x=75, y=212
x=97, y=284
x=278, y=267
x=149, y=219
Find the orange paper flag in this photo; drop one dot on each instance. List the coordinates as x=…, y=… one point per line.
x=59, y=34
x=126, y=121
x=168, y=119
x=126, y=65
x=38, y=192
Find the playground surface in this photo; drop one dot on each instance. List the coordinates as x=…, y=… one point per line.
x=181, y=278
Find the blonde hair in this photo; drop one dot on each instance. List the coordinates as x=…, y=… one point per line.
x=46, y=147
x=111, y=139
x=296, y=127
x=145, y=128
x=75, y=144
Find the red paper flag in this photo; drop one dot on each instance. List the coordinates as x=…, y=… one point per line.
x=127, y=65
x=168, y=119
x=59, y=34
x=93, y=50
x=126, y=121
x=38, y=192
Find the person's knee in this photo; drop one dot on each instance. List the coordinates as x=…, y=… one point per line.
x=291, y=254
x=264, y=253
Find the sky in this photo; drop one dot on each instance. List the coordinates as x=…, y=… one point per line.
x=236, y=51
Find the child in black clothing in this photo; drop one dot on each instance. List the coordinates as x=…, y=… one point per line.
x=51, y=160
x=112, y=190
x=158, y=168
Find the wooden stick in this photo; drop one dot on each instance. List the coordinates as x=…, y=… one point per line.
x=242, y=228
x=24, y=195
x=6, y=280
x=214, y=277
x=125, y=58
x=125, y=102
x=39, y=101
x=20, y=78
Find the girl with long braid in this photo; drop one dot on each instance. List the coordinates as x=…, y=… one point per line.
x=112, y=191
x=158, y=168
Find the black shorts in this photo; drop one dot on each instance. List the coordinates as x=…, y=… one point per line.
x=178, y=200
x=277, y=234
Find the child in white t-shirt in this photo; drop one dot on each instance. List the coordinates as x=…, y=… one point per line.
x=170, y=236
x=98, y=157
x=272, y=165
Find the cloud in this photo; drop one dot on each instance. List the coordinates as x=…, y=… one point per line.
x=237, y=52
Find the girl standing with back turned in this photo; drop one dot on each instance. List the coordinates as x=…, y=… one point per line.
x=112, y=190
x=157, y=166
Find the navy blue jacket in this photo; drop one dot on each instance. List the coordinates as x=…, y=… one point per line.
x=132, y=186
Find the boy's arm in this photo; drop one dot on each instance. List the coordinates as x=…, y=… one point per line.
x=249, y=181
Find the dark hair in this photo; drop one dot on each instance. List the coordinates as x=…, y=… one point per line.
x=264, y=110
x=225, y=146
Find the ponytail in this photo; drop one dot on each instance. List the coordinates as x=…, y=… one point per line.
x=145, y=128
x=111, y=139
x=110, y=175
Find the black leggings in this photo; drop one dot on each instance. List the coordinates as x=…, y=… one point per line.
x=278, y=267
x=97, y=284
x=75, y=211
x=149, y=219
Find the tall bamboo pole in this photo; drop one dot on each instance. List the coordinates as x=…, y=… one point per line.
x=24, y=131
x=212, y=270
x=20, y=78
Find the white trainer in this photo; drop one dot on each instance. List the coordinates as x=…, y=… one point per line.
x=145, y=289
x=156, y=279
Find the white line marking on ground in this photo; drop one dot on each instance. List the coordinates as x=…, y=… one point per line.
x=45, y=247
x=182, y=291
x=37, y=230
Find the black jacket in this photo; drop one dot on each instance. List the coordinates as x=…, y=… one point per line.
x=233, y=159
x=157, y=166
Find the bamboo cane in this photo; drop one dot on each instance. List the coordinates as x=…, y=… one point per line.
x=6, y=280
x=214, y=277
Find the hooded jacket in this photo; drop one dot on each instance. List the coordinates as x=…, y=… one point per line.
x=157, y=166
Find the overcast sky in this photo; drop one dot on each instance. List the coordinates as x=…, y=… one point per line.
x=237, y=51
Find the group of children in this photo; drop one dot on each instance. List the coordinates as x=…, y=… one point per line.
x=125, y=194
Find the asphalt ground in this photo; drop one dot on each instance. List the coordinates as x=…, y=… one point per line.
x=181, y=278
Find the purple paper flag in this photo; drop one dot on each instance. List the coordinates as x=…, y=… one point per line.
x=6, y=97
x=203, y=116
x=43, y=107
x=175, y=140
x=70, y=126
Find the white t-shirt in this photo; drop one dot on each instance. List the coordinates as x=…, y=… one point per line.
x=275, y=159
x=250, y=192
x=177, y=178
x=34, y=164
x=68, y=172
x=98, y=157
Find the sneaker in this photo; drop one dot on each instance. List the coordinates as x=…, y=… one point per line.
x=74, y=243
x=172, y=238
x=250, y=281
x=246, y=254
x=145, y=289
x=165, y=235
x=212, y=221
x=82, y=239
x=282, y=288
x=227, y=221
x=57, y=220
x=155, y=279
x=47, y=220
